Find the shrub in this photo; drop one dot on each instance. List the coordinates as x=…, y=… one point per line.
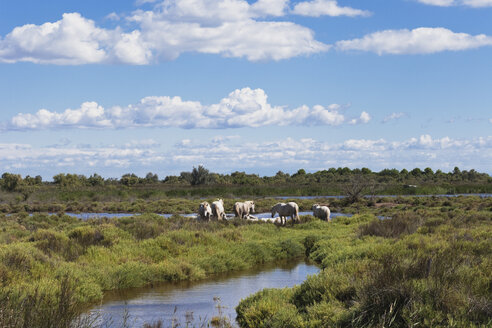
x=391, y=228
x=50, y=241
x=88, y=236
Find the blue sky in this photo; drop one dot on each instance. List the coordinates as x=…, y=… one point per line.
x=260, y=86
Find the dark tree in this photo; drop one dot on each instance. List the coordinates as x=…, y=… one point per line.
x=199, y=176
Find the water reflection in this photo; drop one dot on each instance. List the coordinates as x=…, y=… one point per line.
x=177, y=300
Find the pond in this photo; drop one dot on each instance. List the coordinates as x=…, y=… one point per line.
x=194, y=301
x=87, y=215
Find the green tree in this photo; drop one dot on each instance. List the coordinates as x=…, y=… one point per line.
x=11, y=182
x=69, y=180
x=151, y=178
x=129, y=179
x=30, y=181
x=428, y=172
x=95, y=180
x=199, y=176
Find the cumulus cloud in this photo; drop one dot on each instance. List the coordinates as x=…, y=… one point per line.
x=241, y=108
x=448, y=3
x=73, y=40
x=363, y=118
x=424, y=40
x=230, y=28
x=318, y=8
x=229, y=32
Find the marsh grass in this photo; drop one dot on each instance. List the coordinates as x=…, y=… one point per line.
x=428, y=266
x=51, y=266
x=422, y=268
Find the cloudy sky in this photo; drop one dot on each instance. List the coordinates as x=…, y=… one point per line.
x=120, y=86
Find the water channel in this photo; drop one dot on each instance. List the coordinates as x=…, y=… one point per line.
x=194, y=301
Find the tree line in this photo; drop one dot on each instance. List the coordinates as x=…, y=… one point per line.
x=202, y=176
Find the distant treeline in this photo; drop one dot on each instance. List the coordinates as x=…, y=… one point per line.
x=202, y=176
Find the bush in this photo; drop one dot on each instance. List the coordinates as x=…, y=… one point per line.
x=88, y=236
x=391, y=228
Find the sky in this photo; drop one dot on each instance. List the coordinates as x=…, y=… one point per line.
x=136, y=86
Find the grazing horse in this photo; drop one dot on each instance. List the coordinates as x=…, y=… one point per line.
x=321, y=212
x=242, y=210
x=218, y=210
x=204, y=211
x=284, y=210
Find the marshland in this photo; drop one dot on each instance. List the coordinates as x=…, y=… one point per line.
x=383, y=261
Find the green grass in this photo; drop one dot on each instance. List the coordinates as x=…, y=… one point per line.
x=423, y=268
x=38, y=253
x=427, y=266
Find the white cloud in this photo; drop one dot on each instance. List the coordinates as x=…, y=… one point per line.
x=241, y=108
x=448, y=3
x=73, y=40
x=146, y=143
x=291, y=154
x=270, y=7
x=422, y=40
x=141, y=2
x=230, y=28
x=228, y=32
x=393, y=117
x=441, y=3
x=363, y=119
x=270, y=155
x=113, y=16
x=316, y=8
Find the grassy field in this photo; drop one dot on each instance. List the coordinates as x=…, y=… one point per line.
x=429, y=265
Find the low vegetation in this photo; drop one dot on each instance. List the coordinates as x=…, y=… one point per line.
x=426, y=263
x=52, y=265
x=422, y=268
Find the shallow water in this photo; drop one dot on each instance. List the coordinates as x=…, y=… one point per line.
x=178, y=301
x=483, y=195
x=266, y=215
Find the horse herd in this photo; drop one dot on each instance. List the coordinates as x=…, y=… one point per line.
x=243, y=210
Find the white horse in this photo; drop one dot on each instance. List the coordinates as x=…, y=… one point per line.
x=242, y=210
x=321, y=212
x=284, y=210
x=205, y=211
x=218, y=210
